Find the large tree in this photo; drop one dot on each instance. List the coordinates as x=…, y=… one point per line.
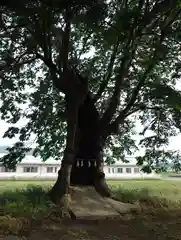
x=84, y=69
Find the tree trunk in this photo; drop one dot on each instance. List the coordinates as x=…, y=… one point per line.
x=87, y=162
x=88, y=165
x=62, y=185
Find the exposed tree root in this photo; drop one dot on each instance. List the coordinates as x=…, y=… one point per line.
x=62, y=210
x=101, y=185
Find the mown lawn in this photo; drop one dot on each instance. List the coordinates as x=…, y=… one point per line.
x=11, y=185
x=153, y=185
x=168, y=189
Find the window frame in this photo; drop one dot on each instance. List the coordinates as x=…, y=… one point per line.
x=31, y=168
x=120, y=172
x=4, y=169
x=52, y=168
x=128, y=171
x=136, y=168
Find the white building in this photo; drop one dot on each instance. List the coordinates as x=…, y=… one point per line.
x=34, y=168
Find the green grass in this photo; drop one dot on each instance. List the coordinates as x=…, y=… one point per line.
x=24, y=198
x=10, y=185
x=31, y=200
x=157, y=193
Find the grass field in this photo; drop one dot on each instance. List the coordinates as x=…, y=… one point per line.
x=16, y=195
x=29, y=198
x=160, y=190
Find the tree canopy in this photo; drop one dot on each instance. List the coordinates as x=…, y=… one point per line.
x=128, y=50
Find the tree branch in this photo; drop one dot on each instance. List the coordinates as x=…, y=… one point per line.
x=135, y=31
x=157, y=9
x=124, y=68
x=42, y=37
x=53, y=71
x=16, y=63
x=108, y=74
x=82, y=51
x=142, y=107
x=66, y=41
x=124, y=113
x=48, y=62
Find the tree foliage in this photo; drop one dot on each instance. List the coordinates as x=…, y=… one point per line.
x=128, y=50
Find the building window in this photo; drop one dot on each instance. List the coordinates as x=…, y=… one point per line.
x=30, y=169
x=136, y=170
x=55, y=169
x=112, y=170
x=49, y=169
x=5, y=169
x=119, y=170
x=128, y=170
x=109, y=170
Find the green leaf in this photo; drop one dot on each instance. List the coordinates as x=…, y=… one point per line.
x=144, y=71
x=11, y=132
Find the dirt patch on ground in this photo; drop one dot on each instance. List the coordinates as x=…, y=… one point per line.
x=143, y=226
x=162, y=225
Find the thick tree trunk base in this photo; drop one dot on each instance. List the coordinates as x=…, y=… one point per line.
x=62, y=203
x=60, y=192
x=87, y=203
x=77, y=202
x=83, y=173
x=85, y=154
x=62, y=210
x=101, y=185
